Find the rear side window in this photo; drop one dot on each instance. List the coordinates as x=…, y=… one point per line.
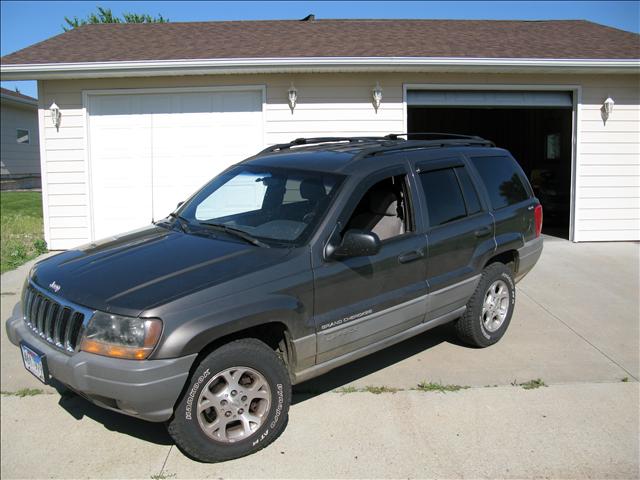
x=470, y=193
x=502, y=179
x=444, y=197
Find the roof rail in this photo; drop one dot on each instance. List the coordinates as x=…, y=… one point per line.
x=315, y=141
x=416, y=144
x=432, y=136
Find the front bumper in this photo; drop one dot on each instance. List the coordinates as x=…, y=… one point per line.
x=146, y=389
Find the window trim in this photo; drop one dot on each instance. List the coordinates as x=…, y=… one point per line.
x=28, y=142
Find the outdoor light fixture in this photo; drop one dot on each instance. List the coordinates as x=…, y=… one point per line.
x=376, y=96
x=607, y=109
x=293, y=97
x=55, y=115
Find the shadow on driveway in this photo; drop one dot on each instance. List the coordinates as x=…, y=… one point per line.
x=79, y=407
x=372, y=363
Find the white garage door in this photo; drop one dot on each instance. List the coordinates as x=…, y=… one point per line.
x=150, y=151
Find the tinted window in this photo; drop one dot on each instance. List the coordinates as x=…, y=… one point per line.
x=502, y=179
x=470, y=194
x=443, y=195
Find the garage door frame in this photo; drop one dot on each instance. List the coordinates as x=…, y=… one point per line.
x=141, y=91
x=576, y=92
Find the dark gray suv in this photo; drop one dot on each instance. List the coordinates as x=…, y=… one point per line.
x=300, y=259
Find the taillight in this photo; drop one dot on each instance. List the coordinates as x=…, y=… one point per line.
x=537, y=214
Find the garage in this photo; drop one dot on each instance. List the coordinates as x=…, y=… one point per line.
x=126, y=134
x=535, y=126
x=149, y=150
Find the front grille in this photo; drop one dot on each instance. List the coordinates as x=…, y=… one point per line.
x=59, y=323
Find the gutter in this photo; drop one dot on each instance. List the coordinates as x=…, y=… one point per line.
x=48, y=71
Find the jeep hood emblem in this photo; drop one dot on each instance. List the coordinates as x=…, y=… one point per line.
x=54, y=286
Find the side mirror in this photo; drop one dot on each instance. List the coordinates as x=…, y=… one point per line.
x=357, y=243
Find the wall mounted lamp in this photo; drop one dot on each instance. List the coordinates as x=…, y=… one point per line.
x=56, y=115
x=293, y=97
x=607, y=109
x=376, y=96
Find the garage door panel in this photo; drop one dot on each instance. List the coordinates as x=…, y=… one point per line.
x=150, y=151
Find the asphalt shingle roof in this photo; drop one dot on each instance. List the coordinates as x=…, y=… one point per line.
x=18, y=95
x=562, y=39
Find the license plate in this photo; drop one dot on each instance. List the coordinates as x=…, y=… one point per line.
x=35, y=362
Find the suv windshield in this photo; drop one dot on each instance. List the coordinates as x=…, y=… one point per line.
x=274, y=205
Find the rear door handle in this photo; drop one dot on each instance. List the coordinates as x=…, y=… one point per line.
x=482, y=232
x=411, y=256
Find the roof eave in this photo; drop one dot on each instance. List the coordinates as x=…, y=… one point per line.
x=18, y=101
x=49, y=71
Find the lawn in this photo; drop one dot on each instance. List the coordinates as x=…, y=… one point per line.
x=21, y=237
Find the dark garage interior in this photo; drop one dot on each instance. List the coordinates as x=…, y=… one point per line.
x=539, y=139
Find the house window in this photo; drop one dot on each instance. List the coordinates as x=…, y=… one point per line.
x=22, y=136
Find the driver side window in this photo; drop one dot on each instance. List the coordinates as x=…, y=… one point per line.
x=383, y=209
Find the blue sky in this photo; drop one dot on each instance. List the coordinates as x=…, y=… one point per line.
x=25, y=23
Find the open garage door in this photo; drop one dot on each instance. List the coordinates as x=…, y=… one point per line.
x=535, y=126
x=149, y=151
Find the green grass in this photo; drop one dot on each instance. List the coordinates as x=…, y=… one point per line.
x=24, y=392
x=163, y=476
x=347, y=389
x=21, y=228
x=438, y=387
x=532, y=384
x=379, y=390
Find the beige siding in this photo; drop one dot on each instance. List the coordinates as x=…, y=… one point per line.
x=19, y=159
x=608, y=156
x=608, y=171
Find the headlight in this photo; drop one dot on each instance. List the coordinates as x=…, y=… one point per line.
x=121, y=337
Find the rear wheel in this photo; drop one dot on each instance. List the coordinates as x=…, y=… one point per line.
x=490, y=308
x=237, y=403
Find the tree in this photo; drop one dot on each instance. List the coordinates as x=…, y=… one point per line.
x=104, y=15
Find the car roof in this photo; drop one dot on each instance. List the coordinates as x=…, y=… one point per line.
x=347, y=155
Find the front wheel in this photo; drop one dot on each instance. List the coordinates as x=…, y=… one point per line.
x=490, y=308
x=236, y=403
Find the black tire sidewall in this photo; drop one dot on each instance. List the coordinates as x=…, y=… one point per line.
x=493, y=273
x=202, y=447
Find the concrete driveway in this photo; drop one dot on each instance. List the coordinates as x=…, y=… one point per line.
x=576, y=327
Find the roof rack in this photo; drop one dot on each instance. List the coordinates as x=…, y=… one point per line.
x=317, y=140
x=416, y=144
x=432, y=136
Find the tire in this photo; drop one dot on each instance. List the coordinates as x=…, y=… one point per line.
x=481, y=328
x=241, y=392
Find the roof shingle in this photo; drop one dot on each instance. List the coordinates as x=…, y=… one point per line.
x=562, y=39
x=18, y=95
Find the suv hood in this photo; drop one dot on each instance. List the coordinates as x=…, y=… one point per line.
x=148, y=267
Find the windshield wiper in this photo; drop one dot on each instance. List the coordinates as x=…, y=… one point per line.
x=183, y=222
x=246, y=236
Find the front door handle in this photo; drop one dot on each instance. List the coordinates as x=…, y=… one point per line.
x=482, y=232
x=411, y=256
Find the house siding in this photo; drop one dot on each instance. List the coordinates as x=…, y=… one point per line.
x=607, y=172
x=19, y=160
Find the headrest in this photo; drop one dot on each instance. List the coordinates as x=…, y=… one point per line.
x=383, y=202
x=312, y=189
